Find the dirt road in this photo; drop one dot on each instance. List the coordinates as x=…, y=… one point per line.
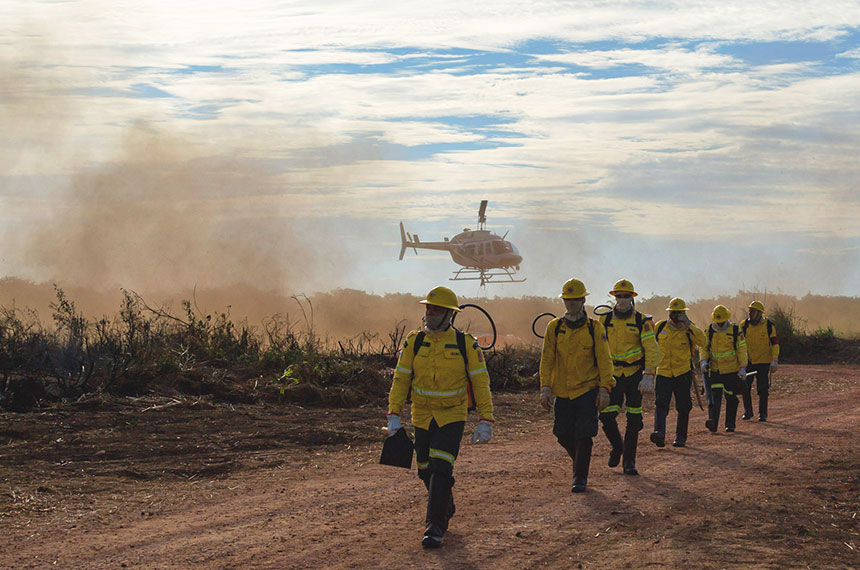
x=243, y=488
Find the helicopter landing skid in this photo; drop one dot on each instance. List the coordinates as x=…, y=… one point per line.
x=485, y=277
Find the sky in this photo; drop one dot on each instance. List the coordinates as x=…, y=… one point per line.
x=695, y=148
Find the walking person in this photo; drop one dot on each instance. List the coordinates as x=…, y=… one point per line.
x=679, y=339
x=576, y=372
x=635, y=355
x=723, y=363
x=444, y=368
x=763, y=351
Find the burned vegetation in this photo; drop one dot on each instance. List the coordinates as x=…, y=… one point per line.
x=146, y=350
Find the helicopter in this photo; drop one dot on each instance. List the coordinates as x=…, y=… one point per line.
x=483, y=254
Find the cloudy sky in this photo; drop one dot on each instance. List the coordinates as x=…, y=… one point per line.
x=693, y=147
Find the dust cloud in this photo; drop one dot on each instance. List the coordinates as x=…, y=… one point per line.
x=344, y=314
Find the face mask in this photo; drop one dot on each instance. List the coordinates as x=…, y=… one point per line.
x=623, y=305
x=573, y=307
x=437, y=322
x=756, y=318
x=679, y=317
x=720, y=327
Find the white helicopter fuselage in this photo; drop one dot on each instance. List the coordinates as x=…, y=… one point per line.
x=476, y=249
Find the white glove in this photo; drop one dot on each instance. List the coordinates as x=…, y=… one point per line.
x=774, y=365
x=393, y=424
x=646, y=384
x=602, y=398
x=484, y=432
x=704, y=366
x=742, y=373
x=546, y=397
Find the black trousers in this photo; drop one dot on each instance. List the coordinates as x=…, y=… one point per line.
x=679, y=386
x=437, y=448
x=575, y=419
x=762, y=385
x=626, y=388
x=730, y=385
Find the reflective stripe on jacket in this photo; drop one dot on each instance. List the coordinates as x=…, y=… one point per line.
x=628, y=345
x=572, y=362
x=437, y=377
x=676, y=350
x=723, y=355
x=761, y=347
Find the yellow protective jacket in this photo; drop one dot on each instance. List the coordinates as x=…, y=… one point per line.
x=437, y=377
x=677, y=347
x=574, y=361
x=632, y=344
x=724, y=353
x=762, y=344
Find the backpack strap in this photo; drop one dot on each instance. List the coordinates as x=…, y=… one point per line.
x=419, y=341
x=607, y=319
x=660, y=326
x=590, y=323
x=747, y=324
x=461, y=346
x=769, y=328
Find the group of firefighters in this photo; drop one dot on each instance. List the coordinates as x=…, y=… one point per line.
x=589, y=370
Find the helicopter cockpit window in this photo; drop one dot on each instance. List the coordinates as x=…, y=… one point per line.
x=498, y=247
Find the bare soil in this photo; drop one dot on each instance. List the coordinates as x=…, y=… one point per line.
x=162, y=483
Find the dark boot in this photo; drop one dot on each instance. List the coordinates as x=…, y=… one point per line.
x=714, y=410
x=581, y=464
x=658, y=437
x=438, y=504
x=610, y=428
x=731, y=413
x=762, y=408
x=681, y=429
x=631, y=440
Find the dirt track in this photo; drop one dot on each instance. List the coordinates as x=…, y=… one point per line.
x=197, y=486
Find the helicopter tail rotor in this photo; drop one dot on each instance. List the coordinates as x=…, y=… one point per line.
x=403, y=243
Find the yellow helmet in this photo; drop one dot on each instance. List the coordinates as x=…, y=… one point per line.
x=441, y=297
x=623, y=286
x=757, y=305
x=573, y=289
x=677, y=304
x=720, y=314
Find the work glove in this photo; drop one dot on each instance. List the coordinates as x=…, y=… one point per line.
x=602, y=398
x=704, y=366
x=646, y=384
x=546, y=397
x=774, y=365
x=394, y=424
x=484, y=432
x=742, y=373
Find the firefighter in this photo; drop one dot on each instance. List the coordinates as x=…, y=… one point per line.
x=635, y=355
x=444, y=368
x=723, y=363
x=763, y=352
x=575, y=371
x=678, y=339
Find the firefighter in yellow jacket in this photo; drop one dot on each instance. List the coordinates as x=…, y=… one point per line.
x=444, y=368
x=635, y=355
x=724, y=364
x=679, y=340
x=763, y=352
x=576, y=372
